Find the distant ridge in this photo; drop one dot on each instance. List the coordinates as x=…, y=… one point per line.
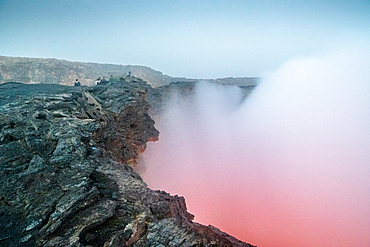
x=56, y=71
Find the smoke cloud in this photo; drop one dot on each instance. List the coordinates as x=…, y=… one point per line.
x=288, y=166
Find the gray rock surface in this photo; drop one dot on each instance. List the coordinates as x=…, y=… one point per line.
x=66, y=176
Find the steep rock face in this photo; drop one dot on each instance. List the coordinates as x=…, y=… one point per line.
x=66, y=177
x=184, y=91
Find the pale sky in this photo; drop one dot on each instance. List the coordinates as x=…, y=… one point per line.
x=194, y=39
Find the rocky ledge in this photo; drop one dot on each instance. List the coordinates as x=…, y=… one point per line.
x=66, y=171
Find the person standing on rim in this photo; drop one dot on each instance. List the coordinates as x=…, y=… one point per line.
x=77, y=83
x=103, y=81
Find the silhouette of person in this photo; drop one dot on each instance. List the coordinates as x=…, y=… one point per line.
x=103, y=81
x=98, y=81
x=77, y=83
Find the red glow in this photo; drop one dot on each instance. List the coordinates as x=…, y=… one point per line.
x=290, y=167
x=262, y=209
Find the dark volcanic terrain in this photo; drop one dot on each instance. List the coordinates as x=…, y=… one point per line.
x=66, y=170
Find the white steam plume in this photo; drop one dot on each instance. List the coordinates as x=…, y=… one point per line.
x=288, y=167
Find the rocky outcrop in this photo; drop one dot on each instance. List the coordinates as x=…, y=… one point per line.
x=66, y=176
